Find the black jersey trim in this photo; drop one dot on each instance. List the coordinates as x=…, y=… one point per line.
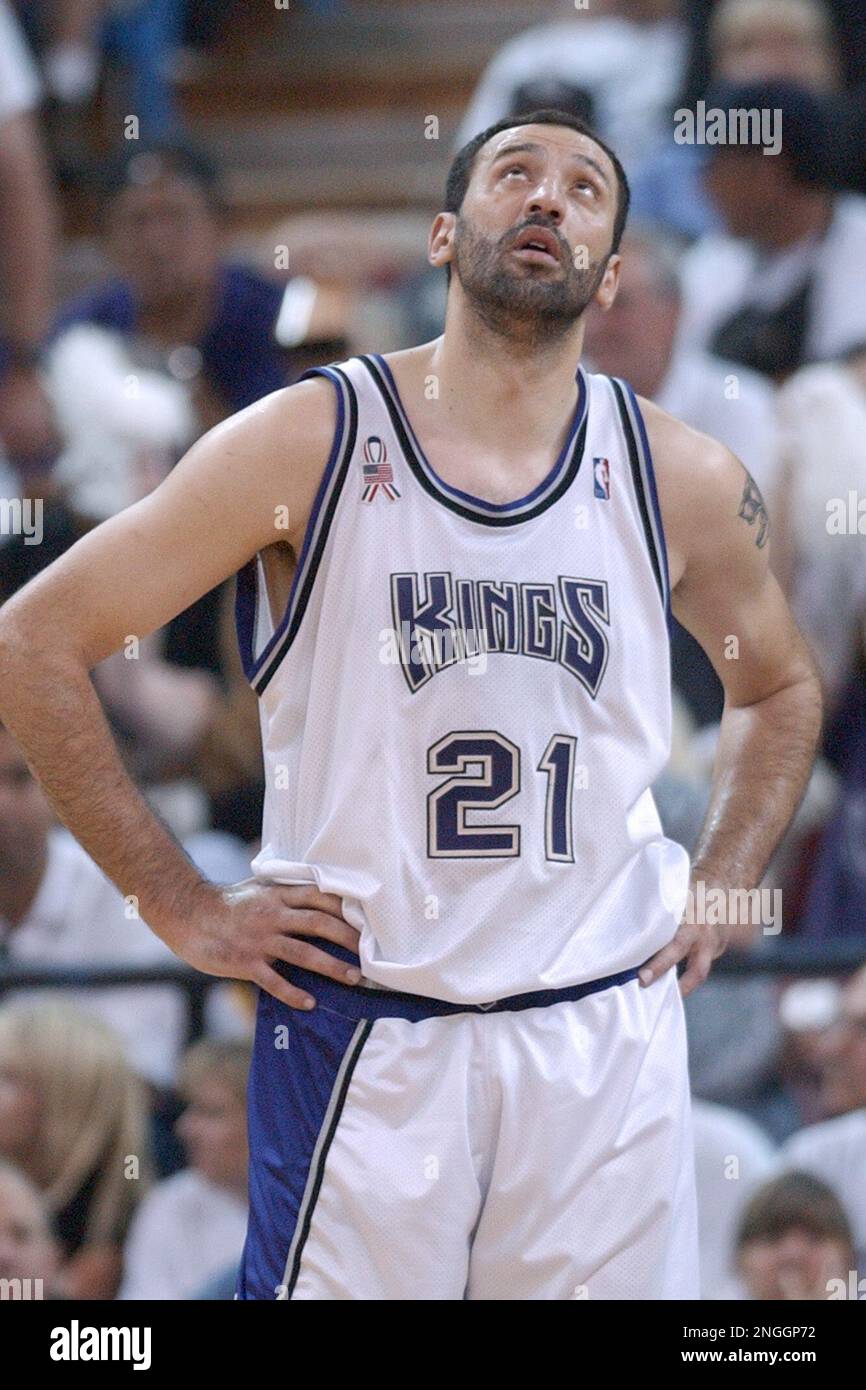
x=261, y=670
x=640, y=461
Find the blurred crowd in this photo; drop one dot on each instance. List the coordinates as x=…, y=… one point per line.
x=742, y=310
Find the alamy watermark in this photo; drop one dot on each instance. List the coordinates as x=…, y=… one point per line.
x=21, y=1290
x=22, y=516
x=750, y=125
x=735, y=907
x=77, y=1343
x=846, y=516
x=436, y=648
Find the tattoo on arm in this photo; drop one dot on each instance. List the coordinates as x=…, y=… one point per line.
x=753, y=511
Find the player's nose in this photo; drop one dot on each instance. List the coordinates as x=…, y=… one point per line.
x=547, y=200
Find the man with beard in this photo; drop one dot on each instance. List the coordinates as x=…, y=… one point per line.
x=457, y=565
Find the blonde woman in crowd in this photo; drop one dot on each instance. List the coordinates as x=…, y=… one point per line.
x=73, y=1120
x=29, y=1252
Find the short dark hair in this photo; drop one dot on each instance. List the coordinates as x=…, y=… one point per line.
x=170, y=155
x=806, y=121
x=460, y=173
x=793, y=1201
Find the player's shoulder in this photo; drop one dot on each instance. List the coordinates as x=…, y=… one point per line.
x=676, y=446
x=271, y=454
x=690, y=466
x=311, y=398
x=296, y=420
x=702, y=488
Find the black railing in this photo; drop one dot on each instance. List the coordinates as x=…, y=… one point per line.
x=840, y=957
x=194, y=985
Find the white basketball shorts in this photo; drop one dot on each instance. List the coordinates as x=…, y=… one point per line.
x=536, y=1152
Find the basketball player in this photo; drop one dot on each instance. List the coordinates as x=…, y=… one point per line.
x=457, y=566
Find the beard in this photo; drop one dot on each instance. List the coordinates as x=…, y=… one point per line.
x=531, y=304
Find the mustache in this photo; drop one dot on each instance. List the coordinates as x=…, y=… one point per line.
x=516, y=232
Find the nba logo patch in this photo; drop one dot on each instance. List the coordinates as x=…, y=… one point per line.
x=601, y=479
x=376, y=471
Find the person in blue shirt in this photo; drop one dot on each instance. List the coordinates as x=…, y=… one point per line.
x=178, y=302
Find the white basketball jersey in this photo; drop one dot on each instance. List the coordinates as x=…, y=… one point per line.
x=465, y=704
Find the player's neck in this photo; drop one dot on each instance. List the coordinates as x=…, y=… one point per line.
x=502, y=392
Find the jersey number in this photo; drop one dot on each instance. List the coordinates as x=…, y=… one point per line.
x=486, y=774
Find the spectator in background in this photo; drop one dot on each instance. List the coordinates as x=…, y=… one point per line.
x=794, y=1241
x=836, y=900
x=29, y=1251
x=637, y=339
x=73, y=1118
x=65, y=34
x=58, y=908
x=28, y=257
x=626, y=56
x=732, y=1158
x=203, y=327
x=735, y=1043
x=138, y=38
x=179, y=306
x=822, y=416
x=821, y=555
x=843, y=26
x=784, y=286
x=192, y=1226
x=181, y=709
x=750, y=40
x=846, y=16
x=835, y=1149
x=789, y=40
x=118, y=445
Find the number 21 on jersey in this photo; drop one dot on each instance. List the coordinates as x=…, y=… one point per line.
x=496, y=780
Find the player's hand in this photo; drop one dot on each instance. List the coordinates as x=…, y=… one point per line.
x=238, y=931
x=697, y=943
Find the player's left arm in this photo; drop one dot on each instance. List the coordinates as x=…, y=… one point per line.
x=723, y=592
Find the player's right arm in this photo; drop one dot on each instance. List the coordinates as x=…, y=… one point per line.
x=127, y=578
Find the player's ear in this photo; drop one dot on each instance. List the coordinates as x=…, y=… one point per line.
x=606, y=292
x=441, y=241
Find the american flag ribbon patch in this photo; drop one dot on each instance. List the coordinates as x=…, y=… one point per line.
x=376, y=471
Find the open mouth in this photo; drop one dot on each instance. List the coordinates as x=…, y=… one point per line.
x=537, y=244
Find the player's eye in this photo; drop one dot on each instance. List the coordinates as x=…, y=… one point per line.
x=515, y=169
